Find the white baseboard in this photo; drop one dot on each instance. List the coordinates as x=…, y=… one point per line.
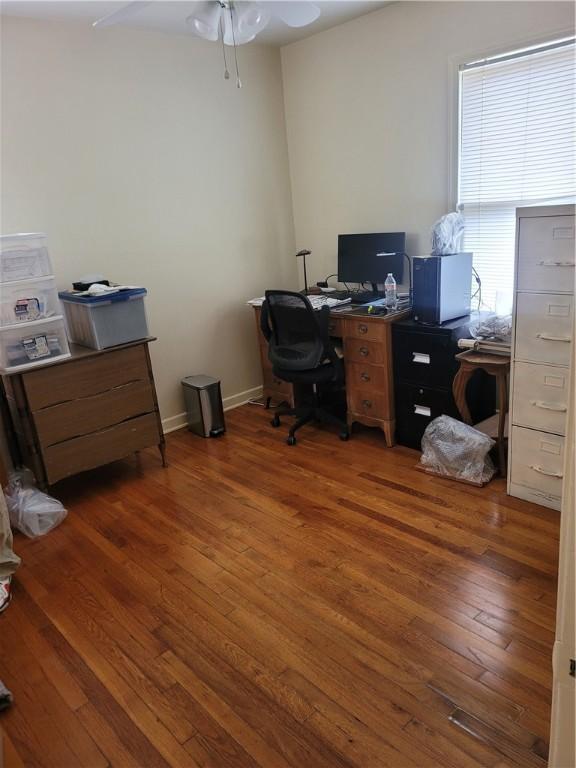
x=172, y=423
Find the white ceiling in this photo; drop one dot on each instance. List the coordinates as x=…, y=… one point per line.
x=170, y=15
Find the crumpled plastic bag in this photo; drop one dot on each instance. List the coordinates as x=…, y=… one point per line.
x=30, y=511
x=448, y=234
x=457, y=450
x=493, y=328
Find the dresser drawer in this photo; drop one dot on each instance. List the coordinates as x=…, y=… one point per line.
x=544, y=328
x=85, y=376
x=361, y=351
x=89, y=451
x=369, y=403
x=537, y=460
x=91, y=414
x=363, y=376
x=540, y=397
x=358, y=328
x=546, y=254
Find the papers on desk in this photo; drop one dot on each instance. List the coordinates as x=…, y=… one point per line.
x=317, y=301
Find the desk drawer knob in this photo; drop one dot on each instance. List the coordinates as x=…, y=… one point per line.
x=277, y=381
x=364, y=376
x=364, y=351
x=363, y=328
x=367, y=403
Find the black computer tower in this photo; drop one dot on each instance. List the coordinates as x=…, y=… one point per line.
x=441, y=287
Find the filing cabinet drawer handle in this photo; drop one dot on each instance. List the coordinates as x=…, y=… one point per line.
x=364, y=376
x=363, y=328
x=420, y=357
x=556, y=264
x=550, y=337
x=364, y=351
x=549, y=406
x=422, y=410
x=367, y=403
x=541, y=471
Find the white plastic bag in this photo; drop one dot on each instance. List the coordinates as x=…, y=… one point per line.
x=493, y=328
x=32, y=512
x=447, y=234
x=455, y=449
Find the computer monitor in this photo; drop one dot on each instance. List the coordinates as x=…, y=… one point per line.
x=370, y=257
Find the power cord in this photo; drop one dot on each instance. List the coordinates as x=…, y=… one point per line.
x=478, y=291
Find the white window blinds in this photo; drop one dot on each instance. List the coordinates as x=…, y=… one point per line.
x=516, y=147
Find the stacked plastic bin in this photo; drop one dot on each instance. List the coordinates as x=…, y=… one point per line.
x=32, y=329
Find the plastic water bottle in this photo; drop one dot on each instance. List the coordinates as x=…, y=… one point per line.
x=391, y=299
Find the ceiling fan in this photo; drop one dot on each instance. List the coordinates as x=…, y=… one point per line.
x=233, y=22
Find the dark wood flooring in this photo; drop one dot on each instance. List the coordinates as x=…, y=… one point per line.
x=255, y=604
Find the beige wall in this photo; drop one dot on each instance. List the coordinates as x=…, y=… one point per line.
x=370, y=109
x=132, y=153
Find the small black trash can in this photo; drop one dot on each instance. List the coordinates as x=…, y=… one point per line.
x=204, y=405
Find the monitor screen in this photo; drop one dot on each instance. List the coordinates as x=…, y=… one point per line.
x=370, y=257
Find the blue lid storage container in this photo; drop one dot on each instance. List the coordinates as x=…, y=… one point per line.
x=107, y=320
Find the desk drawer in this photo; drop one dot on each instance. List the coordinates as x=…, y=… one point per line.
x=363, y=376
x=369, y=404
x=91, y=414
x=89, y=451
x=336, y=326
x=537, y=460
x=540, y=397
x=546, y=254
x=360, y=351
x=544, y=327
x=85, y=377
x=358, y=328
x=427, y=359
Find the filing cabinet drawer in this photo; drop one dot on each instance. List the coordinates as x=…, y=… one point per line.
x=540, y=397
x=416, y=407
x=367, y=377
x=361, y=351
x=369, y=403
x=537, y=460
x=544, y=328
x=425, y=358
x=365, y=329
x=546, y=254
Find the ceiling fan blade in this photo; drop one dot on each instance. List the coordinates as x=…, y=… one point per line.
x=295, y=14
x=117, y=17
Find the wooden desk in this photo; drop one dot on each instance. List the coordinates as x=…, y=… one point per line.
x=90, y=409
x=367, y=347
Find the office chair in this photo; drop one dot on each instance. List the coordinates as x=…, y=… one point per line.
x=301, y=352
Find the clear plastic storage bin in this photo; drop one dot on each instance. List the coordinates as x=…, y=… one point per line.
x=27, y=345
x=23, y=257
x=24, y=301
x=105, y=321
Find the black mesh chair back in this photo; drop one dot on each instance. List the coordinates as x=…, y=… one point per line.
x=297, y=334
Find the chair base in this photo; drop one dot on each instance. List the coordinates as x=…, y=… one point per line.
x=304, y=415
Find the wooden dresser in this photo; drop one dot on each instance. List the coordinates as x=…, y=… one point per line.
x=93, y=408
x=367, y=349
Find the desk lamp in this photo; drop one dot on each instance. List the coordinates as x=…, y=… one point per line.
x=304, y=253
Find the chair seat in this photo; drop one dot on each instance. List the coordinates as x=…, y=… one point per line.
x=320, y=375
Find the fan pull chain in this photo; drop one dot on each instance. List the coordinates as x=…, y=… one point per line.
x=226, y=73
x=238, y=81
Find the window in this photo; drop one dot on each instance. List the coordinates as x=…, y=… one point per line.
x=516, y=147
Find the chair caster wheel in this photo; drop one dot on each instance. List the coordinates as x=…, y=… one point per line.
x=345, y=435
x=291, y=440
x=275, y=421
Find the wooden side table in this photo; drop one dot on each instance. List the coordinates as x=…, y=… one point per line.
x=497, y=366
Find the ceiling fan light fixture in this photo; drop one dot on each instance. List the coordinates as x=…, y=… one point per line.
x=251, y=18
x=205, y=21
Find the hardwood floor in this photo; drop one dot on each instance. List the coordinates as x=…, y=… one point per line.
x=254, y=604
